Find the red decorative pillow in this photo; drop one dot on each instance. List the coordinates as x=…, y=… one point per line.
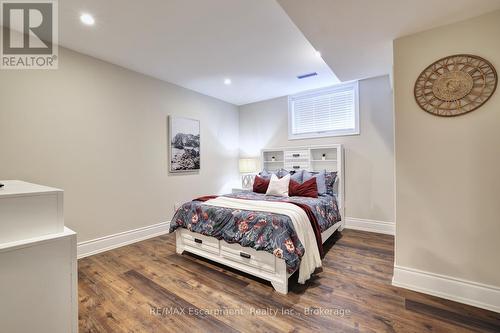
x=260, y=184
x=308, y=188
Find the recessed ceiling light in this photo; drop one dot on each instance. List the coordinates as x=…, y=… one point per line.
x=318, y=54
x=87, y=19
x=227, y=82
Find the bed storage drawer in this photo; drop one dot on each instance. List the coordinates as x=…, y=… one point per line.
x=258, y=259
x=199, y=241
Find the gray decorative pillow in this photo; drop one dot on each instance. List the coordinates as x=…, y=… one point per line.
x=281, y=173
x=294, y=175
x=330, y=178
x=320, y=180
x=297, y=176
x=265, y=174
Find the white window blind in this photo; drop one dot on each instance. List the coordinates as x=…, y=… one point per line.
x=325, y=112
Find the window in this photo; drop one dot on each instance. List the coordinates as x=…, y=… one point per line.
x=325, y=112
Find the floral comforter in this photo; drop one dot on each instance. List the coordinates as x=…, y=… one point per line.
x=261, y=231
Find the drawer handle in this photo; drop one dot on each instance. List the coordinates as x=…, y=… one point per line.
x=245, y=255
x=199, y=241
x=296, y=167
x=296, y=155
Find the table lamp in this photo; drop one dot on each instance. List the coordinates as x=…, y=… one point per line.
x=248, y=167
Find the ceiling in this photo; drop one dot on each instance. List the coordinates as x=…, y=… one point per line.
x=257, y=44
x=355, y=36
x=197, y=44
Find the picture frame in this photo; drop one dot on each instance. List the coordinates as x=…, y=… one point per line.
x=184, y=144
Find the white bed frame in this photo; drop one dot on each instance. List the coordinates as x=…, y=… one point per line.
x=259, y=263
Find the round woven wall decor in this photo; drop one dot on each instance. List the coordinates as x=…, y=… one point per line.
x=455, y=85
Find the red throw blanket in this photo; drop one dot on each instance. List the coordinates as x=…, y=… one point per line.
x=305, y=208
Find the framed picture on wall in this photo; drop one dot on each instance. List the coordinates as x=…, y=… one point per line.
x=184, y=144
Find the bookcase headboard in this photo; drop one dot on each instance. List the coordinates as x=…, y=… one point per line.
x=310, y=158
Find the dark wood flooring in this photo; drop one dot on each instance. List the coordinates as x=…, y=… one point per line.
x=146, y=287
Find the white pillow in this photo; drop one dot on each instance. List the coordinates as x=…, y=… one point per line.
x=278, y=187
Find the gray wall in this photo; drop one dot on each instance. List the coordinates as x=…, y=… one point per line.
x=100, y=132
x=369, y=156
x=448, y=188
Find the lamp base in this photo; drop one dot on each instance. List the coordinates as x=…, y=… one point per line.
x=247, y=181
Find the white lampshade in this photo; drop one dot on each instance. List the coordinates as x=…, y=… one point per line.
x=248, y=165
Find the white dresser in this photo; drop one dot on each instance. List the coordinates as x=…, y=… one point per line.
x=38, y=267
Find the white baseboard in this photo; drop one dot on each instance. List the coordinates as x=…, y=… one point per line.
x=458, y=290
x=380, y=227
x=106, y=243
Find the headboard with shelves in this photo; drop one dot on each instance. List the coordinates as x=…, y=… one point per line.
x=310, y=158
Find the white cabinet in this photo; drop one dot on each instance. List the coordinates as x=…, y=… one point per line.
x=29, y=210
x=38, y=267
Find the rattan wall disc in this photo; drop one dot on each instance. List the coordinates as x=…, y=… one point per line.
x=455, y=85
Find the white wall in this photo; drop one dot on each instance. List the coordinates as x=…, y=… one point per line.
x=99, y=132
x=448, y=188
x=369, y=156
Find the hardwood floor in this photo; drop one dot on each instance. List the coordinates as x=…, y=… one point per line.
x=145, y=287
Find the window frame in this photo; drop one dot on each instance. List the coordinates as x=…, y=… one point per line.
x=331, y=133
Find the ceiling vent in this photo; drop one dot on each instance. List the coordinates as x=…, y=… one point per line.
x=303, y=76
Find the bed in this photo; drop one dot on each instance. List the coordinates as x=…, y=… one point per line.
x=270, y=237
